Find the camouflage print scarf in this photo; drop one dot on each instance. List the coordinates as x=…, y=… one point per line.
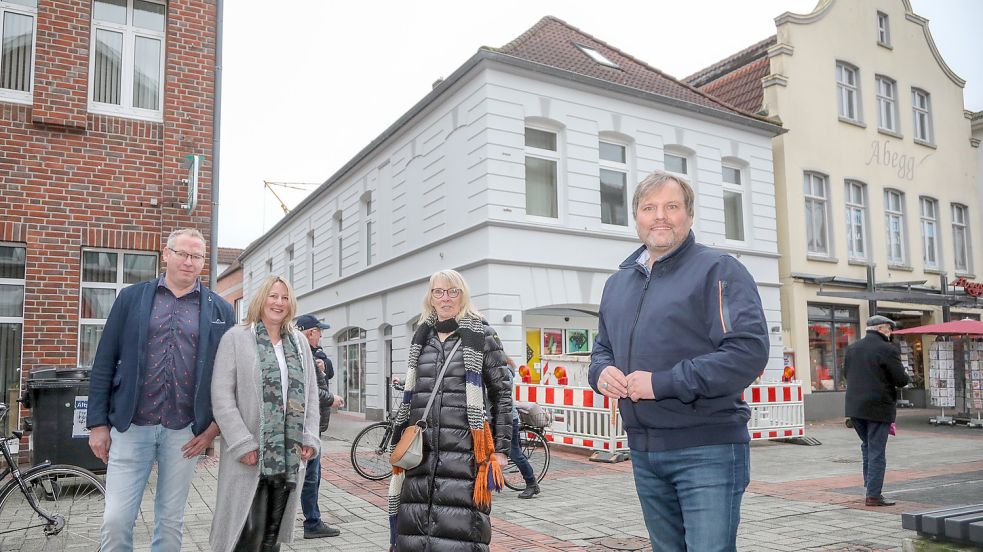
x=281, y=418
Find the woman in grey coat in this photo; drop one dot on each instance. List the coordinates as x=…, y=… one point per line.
x=264, y=399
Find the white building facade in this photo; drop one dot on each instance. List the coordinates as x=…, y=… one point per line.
x=519, y=174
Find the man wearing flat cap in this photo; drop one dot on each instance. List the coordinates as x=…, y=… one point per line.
x=314, y=528
x=873, y=373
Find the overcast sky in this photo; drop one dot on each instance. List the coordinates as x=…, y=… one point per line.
x=310, y=83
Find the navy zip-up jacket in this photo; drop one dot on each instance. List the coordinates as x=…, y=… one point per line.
x=697, y=324
x=121, y=356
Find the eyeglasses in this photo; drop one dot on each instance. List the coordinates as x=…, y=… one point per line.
x=183, y=255
x=453, y=293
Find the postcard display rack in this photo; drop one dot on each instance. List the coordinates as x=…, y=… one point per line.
x=942, y=380
x=948, y=361
x=974, y=381
x=906, y=357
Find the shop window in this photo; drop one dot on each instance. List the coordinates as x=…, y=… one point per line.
x=351, y=368
x=12, y=272
x=831, y=329
x=104, y=274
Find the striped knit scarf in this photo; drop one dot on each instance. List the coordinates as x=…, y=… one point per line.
x=489, y=476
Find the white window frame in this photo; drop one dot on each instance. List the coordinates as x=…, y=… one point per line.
x=14, y=417
x=20, y=96
x=857, y=250
x=310, y=255
x=960, y=224
x=922, y=116
x=883, y=29
x=367, y=209
x=687, y=162
x=339, y=233
x=130, y=33
x=810, y=199
x=117, y=286
x=930, y=221
x=890, y=215
x=739, y=189
x=886, y=91
x=614, y=166
x=288, y=253
x=549, y=155
x=845, y=89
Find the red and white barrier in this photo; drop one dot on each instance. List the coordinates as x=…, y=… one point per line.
x=582, y=417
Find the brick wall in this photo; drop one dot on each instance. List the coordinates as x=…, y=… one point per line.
x=70, y=179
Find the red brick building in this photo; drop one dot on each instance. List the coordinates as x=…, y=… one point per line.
x=101, y=103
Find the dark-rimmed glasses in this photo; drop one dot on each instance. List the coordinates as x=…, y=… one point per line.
x=453, y=293
x=185, y=255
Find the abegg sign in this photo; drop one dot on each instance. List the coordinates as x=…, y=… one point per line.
x=973, y=288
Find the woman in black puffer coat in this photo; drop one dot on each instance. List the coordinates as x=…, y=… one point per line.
x=433, y=506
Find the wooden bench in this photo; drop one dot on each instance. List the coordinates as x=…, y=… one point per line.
x=963, y=524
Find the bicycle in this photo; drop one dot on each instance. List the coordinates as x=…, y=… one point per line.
x=65, y=502
x=370, y=449
x=534, y=445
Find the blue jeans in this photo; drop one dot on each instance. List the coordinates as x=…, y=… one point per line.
x=873, y=447
x=517, y=456
x=132, y=454
x=691, y=498
x=308, y=494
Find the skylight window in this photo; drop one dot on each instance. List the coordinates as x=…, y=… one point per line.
x=597, y=56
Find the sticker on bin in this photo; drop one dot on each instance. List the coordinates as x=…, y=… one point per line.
x=79, y=431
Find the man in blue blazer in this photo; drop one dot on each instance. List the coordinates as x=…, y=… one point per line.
x=150, y=395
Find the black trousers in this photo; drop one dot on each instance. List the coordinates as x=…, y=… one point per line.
x=262, y=527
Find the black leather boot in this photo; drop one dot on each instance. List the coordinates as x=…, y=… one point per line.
x=251, y=538
x=278, y=495
x=531, y=490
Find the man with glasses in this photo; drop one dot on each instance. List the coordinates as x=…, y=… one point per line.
x=150, y=394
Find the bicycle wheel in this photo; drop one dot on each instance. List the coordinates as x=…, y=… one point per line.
x=536, y=448
x=72, y=494
x=370, y=452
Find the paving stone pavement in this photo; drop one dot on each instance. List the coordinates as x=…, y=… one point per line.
x=800, y=497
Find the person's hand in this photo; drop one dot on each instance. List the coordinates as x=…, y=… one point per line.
x=338, y=401
x=196, y=447
x=613, y=383
x=250, y=458
x=502, y=459
x=99, y=442
x=640, y=386
x=320, y=364
x=306, y=453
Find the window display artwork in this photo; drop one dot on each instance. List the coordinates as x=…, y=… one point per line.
x=578, y=341
x=552, y=341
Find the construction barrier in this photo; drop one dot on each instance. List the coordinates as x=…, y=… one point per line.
x=582, y=417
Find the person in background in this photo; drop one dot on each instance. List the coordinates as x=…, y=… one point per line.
x=515, y=452
x=314, y=528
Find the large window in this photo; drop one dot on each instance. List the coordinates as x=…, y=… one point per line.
x=542, y=159
x=17, y=19
x=960, y=238
x=894, y=223
x=367, y=209
x=831, y=329
x=929, y=210
x=676, y=163
x=12, y=269
x=817, y=213
x=126, y=69
x=887, y=104
x=883, y=29
x=104, y=274
x=351, y=368
x=856, y=219
x=614, y=183
x=848, y=91
x=921, y=106
x=733, y=193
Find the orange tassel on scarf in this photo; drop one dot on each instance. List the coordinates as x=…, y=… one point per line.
x=489, y=475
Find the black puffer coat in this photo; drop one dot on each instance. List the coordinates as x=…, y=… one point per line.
x=436, y=511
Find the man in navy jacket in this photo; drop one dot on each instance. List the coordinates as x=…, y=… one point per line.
x=681, y=334
x=150, y=393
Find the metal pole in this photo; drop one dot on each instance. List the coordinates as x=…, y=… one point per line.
x=944, y=283
x=871, y=287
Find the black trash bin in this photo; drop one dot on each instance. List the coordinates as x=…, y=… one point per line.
x=58, y=402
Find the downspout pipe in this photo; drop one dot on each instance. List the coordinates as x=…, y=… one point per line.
x=216, y=145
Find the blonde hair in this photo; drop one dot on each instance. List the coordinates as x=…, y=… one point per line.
x=456, y=280
x=657, y=180
x=255, y=312
x=191, y=232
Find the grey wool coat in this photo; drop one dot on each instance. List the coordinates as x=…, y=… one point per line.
x=236, y=405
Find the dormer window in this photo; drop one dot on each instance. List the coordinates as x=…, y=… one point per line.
x=597, y=56
x=883, y=30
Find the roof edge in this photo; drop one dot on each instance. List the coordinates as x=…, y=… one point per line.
x=816, y=14
x=910, y=15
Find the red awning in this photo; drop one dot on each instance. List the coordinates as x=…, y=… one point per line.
x=956, y=327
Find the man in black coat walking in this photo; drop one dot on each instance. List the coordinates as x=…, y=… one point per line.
x=873, y=373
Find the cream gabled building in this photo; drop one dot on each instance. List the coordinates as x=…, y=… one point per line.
x=877, y=169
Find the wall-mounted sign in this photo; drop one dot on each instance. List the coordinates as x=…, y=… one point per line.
x=882, y=154
x=973, y=288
